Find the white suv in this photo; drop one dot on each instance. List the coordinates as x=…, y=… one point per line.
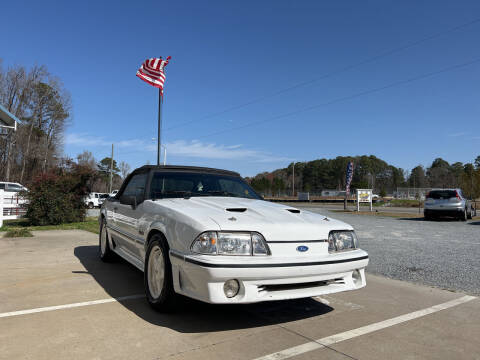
x=95, y=199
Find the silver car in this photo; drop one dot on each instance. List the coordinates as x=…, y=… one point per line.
x=448, y=202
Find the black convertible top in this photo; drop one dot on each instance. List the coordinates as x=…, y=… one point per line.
x=187, y=168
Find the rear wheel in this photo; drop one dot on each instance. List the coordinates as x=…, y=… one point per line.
x=106, y=254
x=428, y=216
x=470, y=213
x=90, y=205
x=464, y=216
x=158, y=276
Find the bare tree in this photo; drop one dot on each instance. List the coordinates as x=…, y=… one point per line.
x=43, y=107
x=86, y=159
x=124, y=169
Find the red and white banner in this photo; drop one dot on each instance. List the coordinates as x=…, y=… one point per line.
x=152, y=72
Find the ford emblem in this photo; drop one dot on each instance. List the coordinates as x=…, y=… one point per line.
x=302, y=248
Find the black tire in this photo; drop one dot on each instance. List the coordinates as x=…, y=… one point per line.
x=90, y=205
x=464, y=215
x=470, y=214
x=162, y=299
x=429, y=216
x=106, y=254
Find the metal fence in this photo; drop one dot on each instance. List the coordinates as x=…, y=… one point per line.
x=11, y=206
x=411, y=193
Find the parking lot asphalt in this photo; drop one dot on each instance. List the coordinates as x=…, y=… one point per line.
x=58, y=300
x=443, y=253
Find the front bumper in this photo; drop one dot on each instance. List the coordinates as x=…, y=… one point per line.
x=264, y=281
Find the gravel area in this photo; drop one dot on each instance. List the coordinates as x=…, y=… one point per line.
x=443, y=253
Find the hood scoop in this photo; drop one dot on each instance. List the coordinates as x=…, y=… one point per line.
x=237, y=210
x=294, y=211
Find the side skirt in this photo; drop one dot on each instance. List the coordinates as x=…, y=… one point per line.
x=130, y=258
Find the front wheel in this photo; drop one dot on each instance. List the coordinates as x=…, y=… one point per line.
x=158, y=276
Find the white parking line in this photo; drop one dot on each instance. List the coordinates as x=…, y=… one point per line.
x=330, y=340
x=69, y=306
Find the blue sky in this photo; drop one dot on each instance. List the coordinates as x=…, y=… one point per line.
x=226, y=54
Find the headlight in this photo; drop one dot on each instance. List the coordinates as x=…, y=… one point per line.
x=342, y=240
x=230, y=243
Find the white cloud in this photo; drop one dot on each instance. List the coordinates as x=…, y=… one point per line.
x=180, y=148
x=89, y=140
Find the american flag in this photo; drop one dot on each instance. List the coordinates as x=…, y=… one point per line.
x=349, y=178
x=152, y=72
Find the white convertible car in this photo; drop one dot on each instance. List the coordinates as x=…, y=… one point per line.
x=205, y=233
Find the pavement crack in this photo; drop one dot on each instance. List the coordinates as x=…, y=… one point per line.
x=315, y=341
x=208, y=345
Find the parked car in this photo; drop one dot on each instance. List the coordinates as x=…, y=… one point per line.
x=448, y=202
x=95, y=199
x=12, y=187
x=113, y=193
x=101, y=198
x=205, y=233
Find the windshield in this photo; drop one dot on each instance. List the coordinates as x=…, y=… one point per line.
x=182, y=184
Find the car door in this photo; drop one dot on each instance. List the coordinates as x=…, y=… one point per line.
x=126, y=215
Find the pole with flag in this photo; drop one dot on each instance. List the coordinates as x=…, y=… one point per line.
x=348, y=182
x=152, y=72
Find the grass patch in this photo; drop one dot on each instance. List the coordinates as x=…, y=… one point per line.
x=90, y=224
x=18, y=232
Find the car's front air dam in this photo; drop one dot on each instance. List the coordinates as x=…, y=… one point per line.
x=205, y=281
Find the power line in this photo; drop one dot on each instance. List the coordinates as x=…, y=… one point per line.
x=345, y=98
x=330, y=74
x=334, y=101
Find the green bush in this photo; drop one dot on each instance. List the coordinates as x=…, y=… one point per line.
x=57, y=197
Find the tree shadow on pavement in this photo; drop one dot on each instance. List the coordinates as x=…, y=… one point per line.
x=474, y=223
x=119, y=278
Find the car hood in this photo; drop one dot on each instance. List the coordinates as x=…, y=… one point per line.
x=275, y=222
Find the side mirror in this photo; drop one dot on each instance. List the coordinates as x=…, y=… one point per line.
x=129, y=200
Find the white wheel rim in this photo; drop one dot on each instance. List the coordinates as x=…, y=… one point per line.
x=156, y=272
x=103, y=240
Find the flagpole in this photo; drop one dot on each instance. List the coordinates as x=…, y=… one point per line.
x=159, y=142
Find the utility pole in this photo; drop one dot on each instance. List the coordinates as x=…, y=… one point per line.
x=111, y=172
x=293, y=180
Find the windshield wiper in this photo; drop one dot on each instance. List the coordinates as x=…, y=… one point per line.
x=222, y=193
x=184, y=194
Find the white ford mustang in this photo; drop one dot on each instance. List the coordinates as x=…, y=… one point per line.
x=206, y=234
